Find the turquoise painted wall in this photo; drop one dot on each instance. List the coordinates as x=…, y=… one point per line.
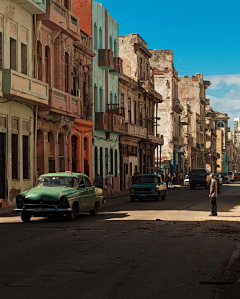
x=99, y=92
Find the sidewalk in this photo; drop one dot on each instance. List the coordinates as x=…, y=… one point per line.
x=8, y=212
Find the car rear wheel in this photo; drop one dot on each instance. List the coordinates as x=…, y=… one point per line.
x=94, y=212
x=26, y=217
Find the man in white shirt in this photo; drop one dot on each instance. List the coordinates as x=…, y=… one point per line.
x=213, y=195
x=109, y=181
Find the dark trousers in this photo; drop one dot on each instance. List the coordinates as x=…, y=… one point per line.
x=213, y=202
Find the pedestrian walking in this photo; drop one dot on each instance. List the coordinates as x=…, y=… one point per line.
x=213, y=195
x=109, y=180
x=98, y=182
x=181, y=178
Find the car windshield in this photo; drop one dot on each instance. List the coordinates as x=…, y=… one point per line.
x=229, y=172
x=58, y=181
x=198, y=172
x=146, y=179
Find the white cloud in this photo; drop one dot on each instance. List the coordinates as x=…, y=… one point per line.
x=228, y=80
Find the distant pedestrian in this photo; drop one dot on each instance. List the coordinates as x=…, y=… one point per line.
x=109, y=180
x=213, y=195
x=133, y=179
x=181, y=178
x=98, y=182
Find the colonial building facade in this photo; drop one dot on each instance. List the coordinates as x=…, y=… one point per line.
x=20, y=97
x=139, y=100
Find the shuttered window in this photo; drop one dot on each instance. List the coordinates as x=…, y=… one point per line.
x=15, y=156
x=25, y=157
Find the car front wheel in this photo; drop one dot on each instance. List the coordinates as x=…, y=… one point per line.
x=26, y=217
x=94, y=211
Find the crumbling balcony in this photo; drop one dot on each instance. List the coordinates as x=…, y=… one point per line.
x=101, y=121
x=158, y=140
x=136, y=131
x=33, y=6
x=118, y=66
x=18, y=86
x=105, y=59
x=58, y=17
x=115, y=109
x=116, y=123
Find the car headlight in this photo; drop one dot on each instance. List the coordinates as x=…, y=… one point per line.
x=64, y=201
x=20, y=199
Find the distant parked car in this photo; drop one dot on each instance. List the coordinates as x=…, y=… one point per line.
x=231, y=176
x=237, y=176
x=218, y=178
x=148, y=186
x=199, y=177
x=225, y=177
x=63, y=193
x=186, y=181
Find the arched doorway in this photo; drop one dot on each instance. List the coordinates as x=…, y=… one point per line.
x=74, y=140
x=61, y=153
x=51, y=152
x=40, y=152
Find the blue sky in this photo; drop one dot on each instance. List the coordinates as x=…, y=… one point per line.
x=204, y=36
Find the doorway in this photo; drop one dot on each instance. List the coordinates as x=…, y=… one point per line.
x=2, y=165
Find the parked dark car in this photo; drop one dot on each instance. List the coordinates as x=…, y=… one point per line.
x=218, y=178
x=237, y=176
x=225, y=177
x=231, y=176
x=199, y=178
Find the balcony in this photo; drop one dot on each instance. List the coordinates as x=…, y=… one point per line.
x=115, y=109
x=105, y=59
x=156, y=139
x=33, y=6
x=101, y=121
x=136, y=131
x=147, y=85
x=178, y=141
x=118, y=66
x=177, y=107
x=184, y=120
x=58, y=17
x=116, y=123
x=18, y=86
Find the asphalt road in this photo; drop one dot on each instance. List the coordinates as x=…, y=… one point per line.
x=125, y=253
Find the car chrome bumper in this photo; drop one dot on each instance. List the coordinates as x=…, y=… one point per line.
x=44, y=210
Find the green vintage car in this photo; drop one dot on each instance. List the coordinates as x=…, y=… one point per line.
x=148, y=186
x=60, y=194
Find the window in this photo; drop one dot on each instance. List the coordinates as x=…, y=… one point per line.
x=115, y=48
x=1, y=51
x=101, y=99
x=122, y=100
x=147, y=71
x=135, y=112
x=220, y=124
x=14, y=156
x=140, y=68
x=111, y=43
x=130, y=168
x=87, y=182
x=106, y=161
x=100, y=38
x=129, y=110
x=39, y=60
x=115, y=99
x=25, y=157
x=66, y=4
x=13, y=54
x=116, y=163
x=75, y=82
x=47, y=64
x=101, y=162
x=111, y=160
x=85, y=143
x=24, y=59
x=66, y=71
x=111, y=98
x=95, y=37
x=74, y=153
